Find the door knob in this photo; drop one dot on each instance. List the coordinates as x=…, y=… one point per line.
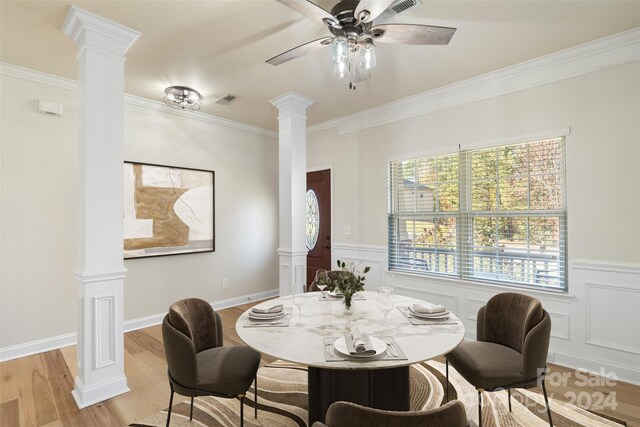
x=328, y=247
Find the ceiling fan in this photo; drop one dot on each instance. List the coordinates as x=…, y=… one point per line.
x=353, y=28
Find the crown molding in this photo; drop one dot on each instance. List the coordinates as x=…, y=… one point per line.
x=603, y=53
x=147, y=104
x=16, y=71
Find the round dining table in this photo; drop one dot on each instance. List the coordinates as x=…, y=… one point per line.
x=383, y=384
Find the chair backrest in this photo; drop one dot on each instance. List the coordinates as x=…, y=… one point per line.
x=196, y=319
x=345, y=414
x=507, y=319
x=181, y=355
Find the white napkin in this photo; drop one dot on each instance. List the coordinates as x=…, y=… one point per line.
x=271, y=310
x=359, y=343
x=428, y=309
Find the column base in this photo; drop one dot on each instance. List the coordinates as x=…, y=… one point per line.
x=293, y=270
x=100, y=348
x=86, y=396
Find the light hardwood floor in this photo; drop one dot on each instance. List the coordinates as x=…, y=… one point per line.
x=36, y=390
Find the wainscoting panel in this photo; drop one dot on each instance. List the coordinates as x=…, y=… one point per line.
x=473, y=305
x=372, y=256
x=104, y=332
x=559, y=325
x=613, y=317
x=449, y=301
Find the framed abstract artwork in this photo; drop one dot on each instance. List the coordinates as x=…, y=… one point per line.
x=167, y=210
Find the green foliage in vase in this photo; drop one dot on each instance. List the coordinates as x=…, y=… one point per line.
x=347, y=280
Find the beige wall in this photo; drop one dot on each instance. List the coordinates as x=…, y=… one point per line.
x=39, y=159
x=603, y=157
x=38, y=177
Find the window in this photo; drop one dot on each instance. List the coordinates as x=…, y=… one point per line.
x=495, y=214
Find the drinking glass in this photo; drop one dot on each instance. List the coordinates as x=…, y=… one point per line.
x=321, y=284
x=385, y=301
x=299, y=298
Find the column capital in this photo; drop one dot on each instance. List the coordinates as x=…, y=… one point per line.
x=292, y=102
x=85, y=28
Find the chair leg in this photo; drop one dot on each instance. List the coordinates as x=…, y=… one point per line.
x=242, y=411
x=170, y=405
x=256, y=394
x=479, y=408
x=446, y=370
x=509, y=392
x=191, y=411
x=546, y=402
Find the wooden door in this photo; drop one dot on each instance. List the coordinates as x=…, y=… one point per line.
x=318, y=222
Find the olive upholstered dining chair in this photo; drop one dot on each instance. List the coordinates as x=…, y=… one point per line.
x=198, y=363
x=345, y=414
x=513, y=332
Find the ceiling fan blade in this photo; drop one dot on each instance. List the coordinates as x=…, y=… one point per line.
x=298, y=51
x=411, y=34
x=374, y=7
x=309, y=9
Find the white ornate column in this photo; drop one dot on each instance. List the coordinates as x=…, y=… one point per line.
x=292, y=250
x=100, y=271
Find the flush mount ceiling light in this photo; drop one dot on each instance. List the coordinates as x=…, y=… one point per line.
x=353, y=29
x=182, y=98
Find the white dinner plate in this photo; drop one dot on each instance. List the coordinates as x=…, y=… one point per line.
x=268, y=316
x=334, y=294
x=434, y=316
x=378, y=345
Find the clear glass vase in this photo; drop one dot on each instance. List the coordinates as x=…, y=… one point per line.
x=348, y=305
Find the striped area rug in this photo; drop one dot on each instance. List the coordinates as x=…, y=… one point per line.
x=282, y=401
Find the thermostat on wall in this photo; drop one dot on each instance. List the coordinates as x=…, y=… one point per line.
x=51, y=108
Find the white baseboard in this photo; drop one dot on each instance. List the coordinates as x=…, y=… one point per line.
x=53, y=343
x=630, y=374
x=38, y=346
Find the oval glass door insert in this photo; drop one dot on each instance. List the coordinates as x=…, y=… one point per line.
x=313, y=219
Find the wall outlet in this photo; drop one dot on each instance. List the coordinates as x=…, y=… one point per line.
x=225, y=283
x=346, y=230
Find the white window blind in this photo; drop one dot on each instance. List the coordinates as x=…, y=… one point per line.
x=496, y=214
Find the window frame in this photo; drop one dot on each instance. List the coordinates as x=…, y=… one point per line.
x=465, y=253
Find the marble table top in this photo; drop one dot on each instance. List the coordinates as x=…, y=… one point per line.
x=302, y=341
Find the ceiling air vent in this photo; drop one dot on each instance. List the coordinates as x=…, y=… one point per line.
x=396, y=8
x=226, y=100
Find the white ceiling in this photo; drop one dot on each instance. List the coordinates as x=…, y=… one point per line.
x=219, y=48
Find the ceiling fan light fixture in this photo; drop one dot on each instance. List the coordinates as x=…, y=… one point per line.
x=368, y=55
x=355, y=24
x=340, y=49
x=182, y=98
x=341, y=68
